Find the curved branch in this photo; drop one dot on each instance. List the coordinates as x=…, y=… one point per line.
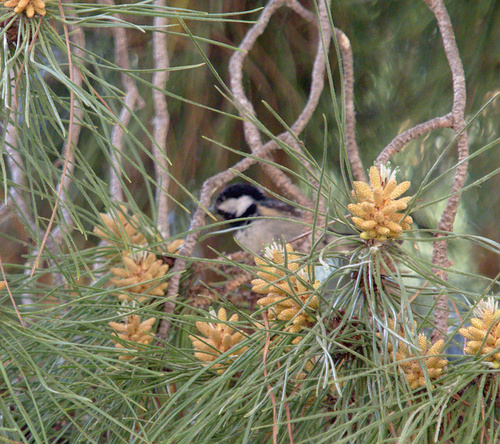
x=307, y=15
x=78, y=39
x=245, y=107
x=350, y=113
x=68, y=153
x=440, y=248
x=401, y=140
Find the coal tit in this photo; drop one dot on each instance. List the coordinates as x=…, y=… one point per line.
x=243, y=200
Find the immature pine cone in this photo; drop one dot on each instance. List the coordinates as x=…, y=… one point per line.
x=29, y=7
x=483, y=337
x=140, y=268
x=376, y=212
x=289, y=294
x=412, y=368
x=133, y=330
x=219, y=338
x=121, y=232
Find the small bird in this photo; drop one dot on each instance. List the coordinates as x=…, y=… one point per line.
x=244, y=200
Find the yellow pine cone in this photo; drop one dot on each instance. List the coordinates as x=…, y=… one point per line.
x=483, y=337
x=133, y=330
x=29, y=7
x=279, y=285
x=121, y=232
x=275, y=275
x=412, y=368
x=219, y=337
x=377, y=211
x=138, y=269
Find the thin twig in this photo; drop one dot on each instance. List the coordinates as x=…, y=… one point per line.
x=6, y=283
x=161, y=121
x=78, y=40
x=131, y=101
x=69, y=145
x=76, y=115
x=440, y=248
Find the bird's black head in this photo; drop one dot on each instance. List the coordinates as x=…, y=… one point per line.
x=240, y=189
x=238, y=201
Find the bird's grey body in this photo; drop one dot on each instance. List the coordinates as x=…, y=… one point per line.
x=247, y=201
x=264, y=231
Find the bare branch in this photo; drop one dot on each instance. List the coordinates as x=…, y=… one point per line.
x=440, y=249
x=76, y=115
x=307, y=15
x=245, y=107
x=252, y=134
x=318, y=70
x=131, y=101
x=161, y=121
x=348, y=73
x=350, y=113
x=401, y=140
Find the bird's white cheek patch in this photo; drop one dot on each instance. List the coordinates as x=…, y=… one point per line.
x=238, y=206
